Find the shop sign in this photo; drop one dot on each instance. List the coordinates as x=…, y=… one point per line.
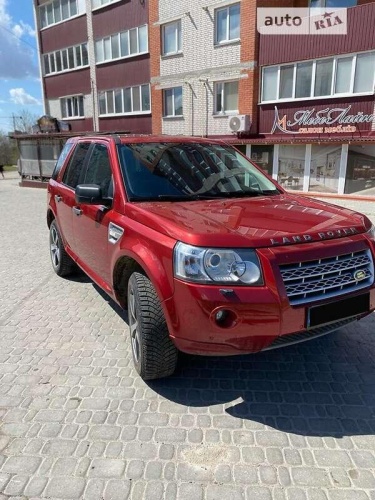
x=324, y=121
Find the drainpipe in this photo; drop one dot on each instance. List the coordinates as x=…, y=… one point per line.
x=91, y=51
x=205, y=84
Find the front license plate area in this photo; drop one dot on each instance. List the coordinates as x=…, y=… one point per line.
x=334, y=311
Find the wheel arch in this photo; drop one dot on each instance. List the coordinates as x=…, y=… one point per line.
x=50, y=217
x=124, y=268
x=126, y=265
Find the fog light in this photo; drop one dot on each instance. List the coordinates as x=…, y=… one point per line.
x=221, y=316
x=224, y=318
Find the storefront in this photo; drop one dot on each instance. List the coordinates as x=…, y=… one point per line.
x=321, y=147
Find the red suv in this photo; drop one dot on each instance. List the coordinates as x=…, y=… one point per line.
x=209, y=254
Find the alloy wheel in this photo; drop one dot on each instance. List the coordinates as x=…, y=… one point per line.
x=55, y=248
x=134, y=327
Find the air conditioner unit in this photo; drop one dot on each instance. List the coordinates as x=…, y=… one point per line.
x=239, y=123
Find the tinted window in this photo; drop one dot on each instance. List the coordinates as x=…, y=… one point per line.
x=60, y=162
x=188, y=170
x=99, y=170
x=73, y=172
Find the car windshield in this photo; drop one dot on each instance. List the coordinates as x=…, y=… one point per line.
x=189, y=171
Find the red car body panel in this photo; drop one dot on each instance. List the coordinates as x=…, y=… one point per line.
x=283, y=229
x=245, y=223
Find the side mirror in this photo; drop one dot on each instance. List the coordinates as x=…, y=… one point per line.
x=89, y=194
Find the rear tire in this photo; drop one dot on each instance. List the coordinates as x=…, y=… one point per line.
x=62, y=263
x=154, y=354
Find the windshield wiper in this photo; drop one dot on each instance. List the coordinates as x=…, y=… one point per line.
x=246, y=194
x=195, y=197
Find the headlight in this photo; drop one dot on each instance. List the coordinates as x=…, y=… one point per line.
x=371, y=232
x=218, y=265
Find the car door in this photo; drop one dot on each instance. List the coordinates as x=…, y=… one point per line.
x=90, y=222
x=64, y=197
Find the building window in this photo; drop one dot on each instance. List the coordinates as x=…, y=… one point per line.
x=171, y=38
x=60, y=10
x=330, y=4
x=364, y=70
x=286, y=81
x=303, y=80
x=226, y=97
x=172, y=102
x=323, y=77
x=325, y=168
x=101, y=3
x=125, y=101
x=125, y=44
x=72, y=107
x=66, y=59
x=360, y=176
x=291, y=166
x=343, y=75
x=227, y=23
x=329, y=77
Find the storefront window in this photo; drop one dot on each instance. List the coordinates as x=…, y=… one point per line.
x=291, y=166
x=360, y=175
x=325, y=168
x=241, y=148
x=263, y=157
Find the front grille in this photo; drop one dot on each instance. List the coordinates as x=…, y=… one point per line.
x=313, y=333
x=307, y=282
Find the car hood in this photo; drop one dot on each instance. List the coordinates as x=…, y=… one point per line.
x=258, y=222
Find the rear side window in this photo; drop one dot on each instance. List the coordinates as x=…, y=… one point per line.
x=99, y=170
x=60, y=162
x=74, y=171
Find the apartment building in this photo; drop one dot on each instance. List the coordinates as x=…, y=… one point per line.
x=94, y=61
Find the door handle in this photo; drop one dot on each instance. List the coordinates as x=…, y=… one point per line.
x=77, y=211
x=58, y=198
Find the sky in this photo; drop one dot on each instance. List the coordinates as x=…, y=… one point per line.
x=20, y=87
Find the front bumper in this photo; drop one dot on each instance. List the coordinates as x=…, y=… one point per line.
x=258, y=321
x=259, y=317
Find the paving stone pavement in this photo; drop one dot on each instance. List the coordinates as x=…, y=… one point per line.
x=77, y=422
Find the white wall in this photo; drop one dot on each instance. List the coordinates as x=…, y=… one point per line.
x=198, y=67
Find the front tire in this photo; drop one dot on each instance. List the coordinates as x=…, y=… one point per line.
x=154, y=354
x=62, y=264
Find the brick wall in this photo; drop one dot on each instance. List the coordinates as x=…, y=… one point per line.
x=154, y=48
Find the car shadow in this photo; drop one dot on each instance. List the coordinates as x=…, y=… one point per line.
x=78, y=277
x=118, y=310
x=325, y=387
